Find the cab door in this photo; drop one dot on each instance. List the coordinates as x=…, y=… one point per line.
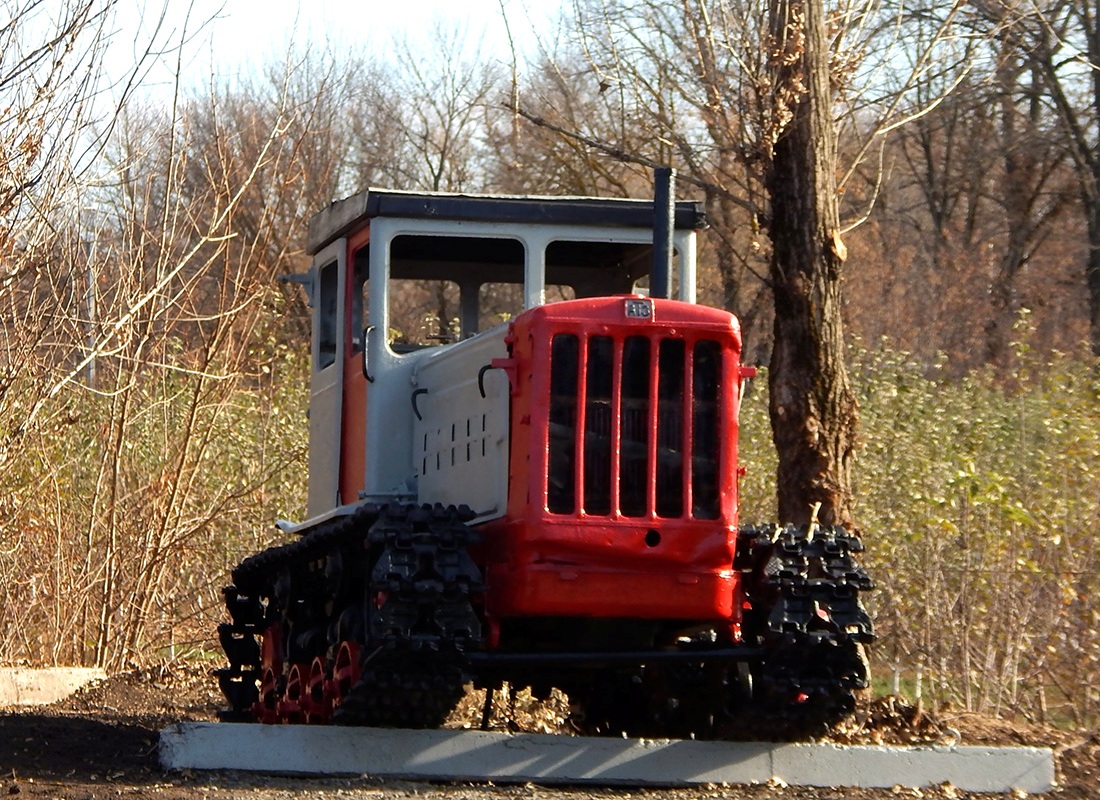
x=327, y=378
x=353, y=444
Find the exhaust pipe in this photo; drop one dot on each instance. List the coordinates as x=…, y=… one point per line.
x=664, y=215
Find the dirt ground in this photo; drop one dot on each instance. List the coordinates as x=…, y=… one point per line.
x=101, y=743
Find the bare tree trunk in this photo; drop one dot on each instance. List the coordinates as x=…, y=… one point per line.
x=1092, y=270
x=1002, y=290
x=1091, y=194
x=813, y=409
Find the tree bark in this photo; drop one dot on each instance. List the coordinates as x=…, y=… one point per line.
x=812, y=406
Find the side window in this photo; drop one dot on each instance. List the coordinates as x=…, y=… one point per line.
x=497, y=303
x=325, y=316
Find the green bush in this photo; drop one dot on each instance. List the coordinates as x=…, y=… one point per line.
x=978, y=502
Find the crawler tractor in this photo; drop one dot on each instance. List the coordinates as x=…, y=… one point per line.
x=523, y=469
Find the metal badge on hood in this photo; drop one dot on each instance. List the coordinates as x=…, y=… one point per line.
x=639, y=308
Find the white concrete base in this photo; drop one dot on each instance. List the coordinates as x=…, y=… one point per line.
x=25, y=686
x=541, y=758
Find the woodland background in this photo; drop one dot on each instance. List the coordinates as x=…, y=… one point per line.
x=154, y=375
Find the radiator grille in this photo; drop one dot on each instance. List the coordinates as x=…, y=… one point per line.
x=643, y=412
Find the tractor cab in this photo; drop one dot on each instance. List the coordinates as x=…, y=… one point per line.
x=398, y=279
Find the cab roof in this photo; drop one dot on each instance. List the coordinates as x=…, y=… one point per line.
x=353, y=213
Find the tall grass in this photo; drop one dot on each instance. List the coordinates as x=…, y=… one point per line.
x=121, y=518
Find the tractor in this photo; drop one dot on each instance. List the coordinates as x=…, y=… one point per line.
x=523, y=470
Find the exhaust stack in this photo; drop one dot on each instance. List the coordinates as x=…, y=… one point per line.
x=664, y=214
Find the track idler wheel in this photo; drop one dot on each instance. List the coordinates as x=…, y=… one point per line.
x=289, y=708
x=266, y=707
x=317, y=701
x=345, y=671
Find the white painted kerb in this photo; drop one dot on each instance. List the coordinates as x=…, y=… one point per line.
x=542, y=758
x=24, y=686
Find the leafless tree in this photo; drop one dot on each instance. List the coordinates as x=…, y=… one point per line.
x=50, y=72
x=1058, y=43
x=129, y=484
x=813, y=408
x=423, y=120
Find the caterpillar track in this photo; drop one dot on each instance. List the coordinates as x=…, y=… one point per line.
x=373, y=619
x=804, y=586
x=362, y=621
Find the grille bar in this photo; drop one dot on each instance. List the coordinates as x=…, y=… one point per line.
x=689, y=429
